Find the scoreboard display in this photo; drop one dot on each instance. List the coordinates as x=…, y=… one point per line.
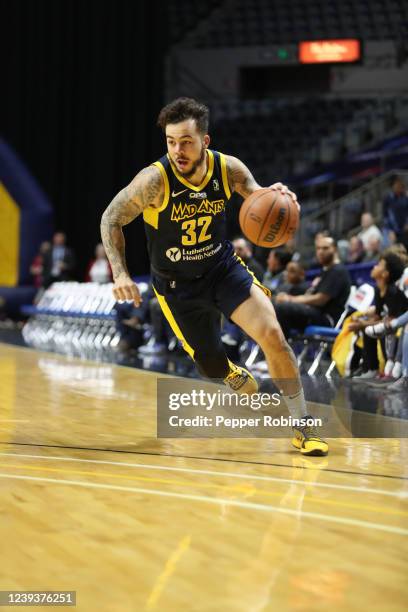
x=329, y=51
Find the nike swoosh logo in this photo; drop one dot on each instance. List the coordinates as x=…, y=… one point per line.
x=174, y=195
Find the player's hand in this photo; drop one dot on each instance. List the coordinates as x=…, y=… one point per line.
x=124, y=289
x=284, y=189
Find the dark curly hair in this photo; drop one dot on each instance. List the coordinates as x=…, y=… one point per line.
x=395, y=265
x=182, y=109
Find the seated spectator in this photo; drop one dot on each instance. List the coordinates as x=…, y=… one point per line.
x=290, y=245
x=388, y=300
x=356, y=252
x=99, y=270
x=400, y=250
x=403, y=282
x=395, y=212
x=294, y=283
x=390, y=326
x=369, y=230
x=162, y=335
x=324, y=301
x=129, y=323
x=373, y=250
x=37, y=266
x=243, y=249
x=343, y=247
x=59, y=262
x=312, y=262
x=276, y=263
x=130, y=320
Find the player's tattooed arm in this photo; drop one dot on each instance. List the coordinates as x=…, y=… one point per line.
x=146, y=189
x=240, y=178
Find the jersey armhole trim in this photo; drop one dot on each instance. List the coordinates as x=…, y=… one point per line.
x=151, y=215
x=224, y=175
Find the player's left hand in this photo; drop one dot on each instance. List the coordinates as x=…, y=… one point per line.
x=284, y=189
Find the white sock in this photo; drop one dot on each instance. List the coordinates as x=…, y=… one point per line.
x=388, y=367
x=296, y=404
x=397, y=370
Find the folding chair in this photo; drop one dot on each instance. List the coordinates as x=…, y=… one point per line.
x=359, y=299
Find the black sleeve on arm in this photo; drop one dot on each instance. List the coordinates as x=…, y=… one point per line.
x=378, y=302
x=396, y=301
x=333, y=282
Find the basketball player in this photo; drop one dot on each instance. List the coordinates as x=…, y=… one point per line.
x=195, y=273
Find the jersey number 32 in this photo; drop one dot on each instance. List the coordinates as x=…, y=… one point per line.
x=192, y=227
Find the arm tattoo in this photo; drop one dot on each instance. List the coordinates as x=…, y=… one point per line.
x=240, y=178
x=146, y=189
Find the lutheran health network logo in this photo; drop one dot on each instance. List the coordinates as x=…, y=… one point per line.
x=174, y=254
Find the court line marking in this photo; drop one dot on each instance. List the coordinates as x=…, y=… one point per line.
x=213, y=500
x=246, y=490
x=397, y=494
x=198, y=458
x=168, y=570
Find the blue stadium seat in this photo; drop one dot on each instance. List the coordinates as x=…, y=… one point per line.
x=318, y=331
x=275, y=21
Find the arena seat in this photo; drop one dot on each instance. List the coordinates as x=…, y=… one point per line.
x=359, y=299
x=76, y=319
x=275, y=21
x=317, y=131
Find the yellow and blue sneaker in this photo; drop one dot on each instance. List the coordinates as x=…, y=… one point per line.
x=307, y=440
x=240, y=380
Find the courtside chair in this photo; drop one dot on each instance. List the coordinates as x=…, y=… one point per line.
x=360, y=299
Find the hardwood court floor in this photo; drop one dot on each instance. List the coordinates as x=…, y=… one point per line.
x=91, y=501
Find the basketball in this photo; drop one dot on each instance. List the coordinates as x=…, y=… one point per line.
x=268, y=218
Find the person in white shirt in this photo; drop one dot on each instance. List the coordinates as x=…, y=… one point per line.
x=99, y=270
x=369, y=230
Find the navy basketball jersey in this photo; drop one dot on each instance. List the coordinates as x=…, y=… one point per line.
x=187, y=234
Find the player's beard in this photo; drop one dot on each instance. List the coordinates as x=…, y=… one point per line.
x=195, y=165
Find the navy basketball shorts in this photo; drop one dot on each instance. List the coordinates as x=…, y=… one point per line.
x=194, y=307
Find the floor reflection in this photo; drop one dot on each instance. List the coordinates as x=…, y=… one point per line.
x=336, y=392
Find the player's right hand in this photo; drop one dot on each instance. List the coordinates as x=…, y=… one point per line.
x=284, y=189
x=124, y=289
